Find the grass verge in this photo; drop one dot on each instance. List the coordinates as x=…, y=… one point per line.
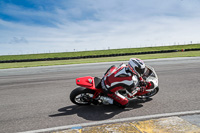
x=95, y=60
x=97, y=52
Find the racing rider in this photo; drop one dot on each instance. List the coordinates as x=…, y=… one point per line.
x=124, y=76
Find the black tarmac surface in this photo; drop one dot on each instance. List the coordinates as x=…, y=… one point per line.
x=38, y=98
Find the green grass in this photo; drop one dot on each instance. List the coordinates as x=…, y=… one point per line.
x=97, y=52
x=94, y=60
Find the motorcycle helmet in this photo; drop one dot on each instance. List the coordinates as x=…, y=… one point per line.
x=136, y=66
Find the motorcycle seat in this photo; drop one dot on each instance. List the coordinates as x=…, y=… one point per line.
x=97, y=82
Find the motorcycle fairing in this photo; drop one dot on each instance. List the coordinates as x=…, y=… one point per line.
x=93, y=83
x=87, y=81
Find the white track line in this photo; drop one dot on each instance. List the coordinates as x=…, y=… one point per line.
x=115, y=121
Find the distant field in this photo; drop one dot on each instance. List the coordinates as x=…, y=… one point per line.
x=97, y=52
x=95, y=60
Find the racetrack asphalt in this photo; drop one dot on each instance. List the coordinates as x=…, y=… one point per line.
x=38, y=98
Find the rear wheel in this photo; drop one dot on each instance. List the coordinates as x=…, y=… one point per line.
x=150, y=94
x=82, y=96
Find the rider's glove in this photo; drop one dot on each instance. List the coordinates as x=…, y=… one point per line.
x=144, y=86
x=143, y=83
x=142, y=89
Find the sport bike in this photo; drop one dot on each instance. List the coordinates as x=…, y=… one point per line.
x=90, y=90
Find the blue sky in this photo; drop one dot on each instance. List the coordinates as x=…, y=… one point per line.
x=43, y=26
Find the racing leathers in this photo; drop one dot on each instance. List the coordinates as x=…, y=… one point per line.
x=119, y=78
x=116, y=79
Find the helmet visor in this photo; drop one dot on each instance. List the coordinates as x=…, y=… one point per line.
x=140, y=71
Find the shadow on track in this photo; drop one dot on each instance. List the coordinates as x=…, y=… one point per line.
x=98, y=112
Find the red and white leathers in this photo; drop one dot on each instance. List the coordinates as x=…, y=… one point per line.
x=117, y=79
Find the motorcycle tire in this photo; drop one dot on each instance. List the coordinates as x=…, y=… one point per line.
x=150, y=94
x=82, y=96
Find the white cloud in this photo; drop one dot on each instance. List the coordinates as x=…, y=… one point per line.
x=100, y=24
x=15, y=40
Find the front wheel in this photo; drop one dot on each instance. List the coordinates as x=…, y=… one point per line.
x=150, y=94
x=82, y=96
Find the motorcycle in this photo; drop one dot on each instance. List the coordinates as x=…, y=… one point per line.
x=90, y=90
